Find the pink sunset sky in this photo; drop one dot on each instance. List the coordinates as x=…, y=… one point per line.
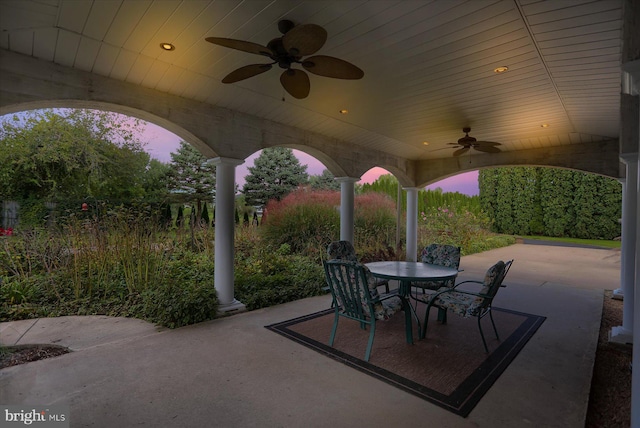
x=161, y=143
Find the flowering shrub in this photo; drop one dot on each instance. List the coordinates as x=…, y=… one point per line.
x=6, y=232
x=309, y=220
x=448, y=225
x=305, y=220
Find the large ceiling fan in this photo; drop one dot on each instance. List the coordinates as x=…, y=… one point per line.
x=295, y=43
x=465, y=143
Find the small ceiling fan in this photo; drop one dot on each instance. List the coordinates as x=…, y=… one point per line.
x=295, y=43
x=465, y=143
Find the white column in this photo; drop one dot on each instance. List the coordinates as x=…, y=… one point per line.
x=225, y=231
x=618, y=293
x=624, y=333
x=347, y=202
x=412, y=223
x=635, y=377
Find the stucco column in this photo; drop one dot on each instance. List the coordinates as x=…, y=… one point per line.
x=624, y=333
x=347, y=202
x=635, y=377
x=412, y=223
x=225, y=231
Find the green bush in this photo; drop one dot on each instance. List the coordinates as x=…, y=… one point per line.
x=186, y=296
x=272, y=277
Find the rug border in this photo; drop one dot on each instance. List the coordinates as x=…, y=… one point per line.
x=464, y=398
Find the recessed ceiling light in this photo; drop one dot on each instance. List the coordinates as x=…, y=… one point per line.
x=344, y=111
x=167, y=46
x=501, y=69
x=426, y=143
x=545, y=125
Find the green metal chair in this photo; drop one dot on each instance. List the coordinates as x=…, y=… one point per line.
x=441, y=255
x=469, y=304
x=343, y=250
x=356, y=297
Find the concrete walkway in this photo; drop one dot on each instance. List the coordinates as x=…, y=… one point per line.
x=233, y=372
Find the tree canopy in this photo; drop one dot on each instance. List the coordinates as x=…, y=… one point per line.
x=324, y=181
x=192, y=177
x=274, y=174
x=70, y=153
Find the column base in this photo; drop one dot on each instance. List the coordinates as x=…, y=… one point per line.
x=620, y=335
x=618, y=294
x=232, y=308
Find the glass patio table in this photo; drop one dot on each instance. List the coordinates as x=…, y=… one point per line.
x=408, y=272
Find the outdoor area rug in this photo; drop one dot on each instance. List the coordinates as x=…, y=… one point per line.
x=448, y=368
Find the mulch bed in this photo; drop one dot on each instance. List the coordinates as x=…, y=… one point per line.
x=21, y=354
x=610, y=396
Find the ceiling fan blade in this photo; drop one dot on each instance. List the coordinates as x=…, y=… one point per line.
x=246, y=72
x=240, y=45
x=461, y=151
x=296, y=83
x=329, y=66
x=304, y=39
x=487, y=143
x=487, y=149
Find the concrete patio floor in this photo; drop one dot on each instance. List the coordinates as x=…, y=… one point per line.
x=232, y=372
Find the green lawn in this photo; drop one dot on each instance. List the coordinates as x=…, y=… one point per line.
x=594, y=242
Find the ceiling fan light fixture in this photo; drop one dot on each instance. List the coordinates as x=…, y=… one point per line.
x=297, y=42
x=167, y=46
x=343, y=111
x=500, y=69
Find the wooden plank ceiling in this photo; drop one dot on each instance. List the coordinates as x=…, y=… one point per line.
x=429, y=65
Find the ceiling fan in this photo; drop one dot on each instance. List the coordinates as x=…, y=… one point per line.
x=296, y=42
x=465, y=143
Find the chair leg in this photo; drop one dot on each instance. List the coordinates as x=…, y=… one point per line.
x=484, y=342
x=370, y=343
x=494, y=324
x=333, y=329
x=442, y=315
x=423, y=332
x=408, y=311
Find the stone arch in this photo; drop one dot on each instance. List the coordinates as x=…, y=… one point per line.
x=334, y=167
x=599, y=158
x=115, y=108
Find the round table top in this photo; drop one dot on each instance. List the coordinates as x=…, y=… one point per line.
x=411, y=271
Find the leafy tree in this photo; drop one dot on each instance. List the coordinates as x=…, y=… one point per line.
x=70, y=153
x=191, y=176
x=156, y=181
x=275, y=173
x=325, y=181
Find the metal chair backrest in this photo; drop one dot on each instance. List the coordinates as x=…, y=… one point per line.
x=492, y=281
x=349, y=287
x=341, y=250
x=442, y=255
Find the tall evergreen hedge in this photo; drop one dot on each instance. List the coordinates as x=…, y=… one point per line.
x=551, y=202
x=428, y=200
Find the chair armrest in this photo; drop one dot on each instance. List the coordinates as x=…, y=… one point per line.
x=451, y=290
x=468, y=282
x=381, y=297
